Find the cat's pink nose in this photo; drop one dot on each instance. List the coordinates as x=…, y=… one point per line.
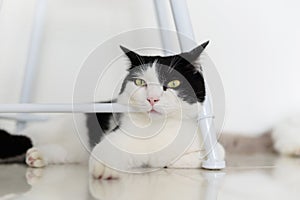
x=152, y=100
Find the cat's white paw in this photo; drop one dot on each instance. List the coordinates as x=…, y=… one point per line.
x=34, y=158
x=297, y=152
x=100, y=171
x=287, y=146
x=288, y=149
x=286, y=137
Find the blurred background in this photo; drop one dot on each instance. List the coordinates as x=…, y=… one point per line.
x=254, y=45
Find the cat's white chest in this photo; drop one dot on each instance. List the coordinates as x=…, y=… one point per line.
x=146, y=137
x=156, y=144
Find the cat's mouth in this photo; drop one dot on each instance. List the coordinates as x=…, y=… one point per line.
x=153, y=111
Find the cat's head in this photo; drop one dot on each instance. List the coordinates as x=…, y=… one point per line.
x=161, y=86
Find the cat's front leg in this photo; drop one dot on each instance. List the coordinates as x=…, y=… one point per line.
x=97, y=169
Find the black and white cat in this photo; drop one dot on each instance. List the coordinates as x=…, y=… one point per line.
x=168, y=93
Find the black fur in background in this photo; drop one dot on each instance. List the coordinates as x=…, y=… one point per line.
x=13, y=145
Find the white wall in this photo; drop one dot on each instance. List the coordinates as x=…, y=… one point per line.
x=253, y=44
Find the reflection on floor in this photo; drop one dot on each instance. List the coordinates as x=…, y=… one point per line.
x=246, y=177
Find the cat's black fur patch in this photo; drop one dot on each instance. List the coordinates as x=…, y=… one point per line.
x=98, y=124
x=177, y=67
x=13, y=145
x=192, y=87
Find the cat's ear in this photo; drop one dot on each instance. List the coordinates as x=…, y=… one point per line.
x=195, y=53
x=134, y=58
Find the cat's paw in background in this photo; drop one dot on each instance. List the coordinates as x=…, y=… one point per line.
x=34, y=158
x=286, y=137
x=100, y=171
x=287, y=149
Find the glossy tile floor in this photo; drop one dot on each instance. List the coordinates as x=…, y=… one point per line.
x=246, y=177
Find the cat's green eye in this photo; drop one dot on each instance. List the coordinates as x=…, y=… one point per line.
x=140, y=82
x=173, y=84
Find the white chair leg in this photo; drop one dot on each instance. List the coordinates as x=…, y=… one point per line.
x=32, y=58
x=207, y=127
x=206, y=122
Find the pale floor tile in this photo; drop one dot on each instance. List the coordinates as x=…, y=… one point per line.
x=246, y=177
